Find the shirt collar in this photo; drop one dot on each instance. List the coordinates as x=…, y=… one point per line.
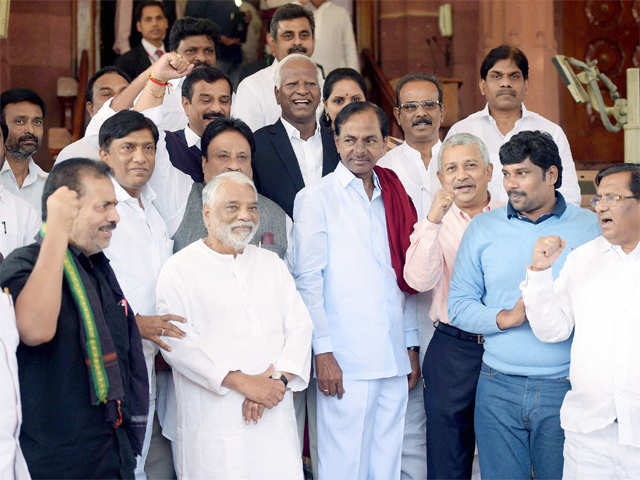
x=607, y=246
x=345, y=176
x=147, y=195
x=557, y=211
x=191, y=137
x=293, y=132
x=485, y=111
x=34, y=172
x=151, y=49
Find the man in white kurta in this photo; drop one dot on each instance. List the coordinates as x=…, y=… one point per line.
x=12, y=463
x=595, y=299
x=247, y=345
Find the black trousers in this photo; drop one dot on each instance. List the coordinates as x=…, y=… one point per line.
x=451, y=368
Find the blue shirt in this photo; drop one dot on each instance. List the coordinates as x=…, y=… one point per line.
x=342, y=267
x=490, y=265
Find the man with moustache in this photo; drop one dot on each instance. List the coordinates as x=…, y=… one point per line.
x=453, y=358
x=140, y=245
x=598, y=283
x=294, y=152
x=351, y=230
x=291, y=31
x=83, y=378
x=246, y=348
x=103, y=85
x=228, y=146
x=522, y=380
x=19, y=222
x=504, y=75
x=151, y=22
x=23, y=111
x=419, y=112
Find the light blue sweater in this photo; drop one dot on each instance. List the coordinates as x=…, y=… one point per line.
x=490, y=265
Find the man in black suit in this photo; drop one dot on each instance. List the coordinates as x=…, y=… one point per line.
x=151, y=22
x=293, y=152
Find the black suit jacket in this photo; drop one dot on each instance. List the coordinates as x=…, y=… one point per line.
x=134, y=62
x=276, y=171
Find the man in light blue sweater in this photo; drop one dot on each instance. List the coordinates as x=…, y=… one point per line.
x=523, y=381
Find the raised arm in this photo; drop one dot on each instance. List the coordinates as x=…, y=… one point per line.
x=38, y=304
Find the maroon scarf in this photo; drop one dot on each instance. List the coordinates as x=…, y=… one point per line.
x=401, y=217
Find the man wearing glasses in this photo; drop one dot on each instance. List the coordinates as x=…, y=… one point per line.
x=419, y=113
x=596, y=293
x=503, y=82
x=522, y=381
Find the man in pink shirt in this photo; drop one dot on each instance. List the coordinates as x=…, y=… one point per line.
x=453, y=359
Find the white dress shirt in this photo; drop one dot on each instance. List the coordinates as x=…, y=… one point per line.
x=335, y=42
x=82, y=148
x=19, y=222
x=152, y=50
x=308, y=152
x=596, y=295
x=407, y=163
x=32, y=187
x=483, y=125
x=139, y=248
x=12, y=463
x=255, y=101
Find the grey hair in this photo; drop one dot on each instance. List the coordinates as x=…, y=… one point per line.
x=464, y=139
x=277, y=76
x=210, y=190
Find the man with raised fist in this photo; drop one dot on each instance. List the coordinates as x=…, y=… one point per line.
x=596, y=293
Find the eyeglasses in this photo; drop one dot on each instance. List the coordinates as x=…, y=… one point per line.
x=609, y=198
x=412, y=107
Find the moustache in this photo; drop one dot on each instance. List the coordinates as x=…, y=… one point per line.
x=424, y=120
x=463, y=184
x=108, y=226
x=28, y=137
x=297, y=49
x=212, y=115
x=517, y=193
x=506, y=91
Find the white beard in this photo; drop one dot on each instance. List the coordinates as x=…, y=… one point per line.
x=236, y=241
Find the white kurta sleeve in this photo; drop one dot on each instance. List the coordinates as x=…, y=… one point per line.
x=188, y=355
x=296, y=354
x=547, y=304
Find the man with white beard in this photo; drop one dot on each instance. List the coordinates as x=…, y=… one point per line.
x=247, y=345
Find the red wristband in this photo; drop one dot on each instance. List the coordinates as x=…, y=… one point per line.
x=157, y=82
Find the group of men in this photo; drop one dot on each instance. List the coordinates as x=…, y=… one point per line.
x=215, y=275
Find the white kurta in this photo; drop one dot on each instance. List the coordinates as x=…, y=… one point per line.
x=335, y=42
x=243, y=313
x=12, y=463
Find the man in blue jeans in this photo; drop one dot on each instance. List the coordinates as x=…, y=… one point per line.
x=523, y=381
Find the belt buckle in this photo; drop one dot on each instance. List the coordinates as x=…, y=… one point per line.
x=480, y=339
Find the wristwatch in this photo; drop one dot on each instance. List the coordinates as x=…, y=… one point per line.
x=414, y=349
x=284, y=380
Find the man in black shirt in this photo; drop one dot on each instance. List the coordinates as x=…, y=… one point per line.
x=83, y=380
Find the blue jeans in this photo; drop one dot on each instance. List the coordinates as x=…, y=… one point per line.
x=517, y=423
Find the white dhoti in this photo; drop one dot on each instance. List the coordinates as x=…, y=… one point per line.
x=599, y=456
x=360, y=435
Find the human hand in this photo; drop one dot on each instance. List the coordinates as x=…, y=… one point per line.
x=63, y=207
x=152, y=327
x=263, y=389
x=414, y=376
x=546, y=251
x=170, y=66
x=512, y=318
x=441, y=204
x=251, y=411
x=329, y=375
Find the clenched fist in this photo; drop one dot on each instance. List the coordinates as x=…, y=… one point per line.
x=441, y=204
x=546, y=251
x=63, y=207
x=170, y=66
